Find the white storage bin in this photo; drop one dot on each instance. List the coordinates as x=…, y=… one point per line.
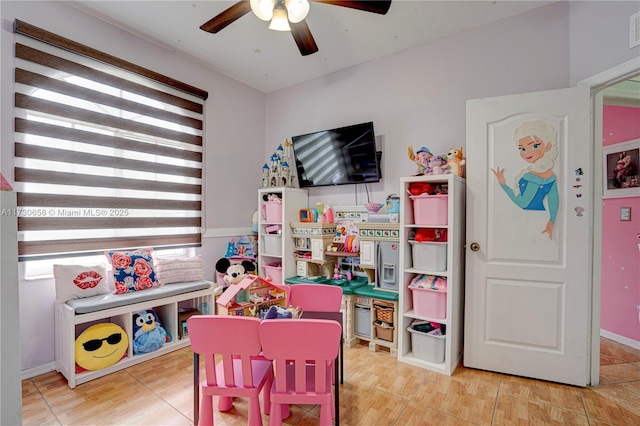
x=272, y=245
x=427, y=347
x=362, y=321
x=429, y=256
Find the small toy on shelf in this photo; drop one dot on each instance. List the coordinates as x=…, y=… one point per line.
x=278, y=171
x=328, y=214
x=421, y=158
x=455, y=161
x=373, y=207
x=352, y=244
x=336, y=272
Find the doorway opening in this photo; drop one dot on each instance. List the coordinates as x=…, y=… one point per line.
x=602, y=85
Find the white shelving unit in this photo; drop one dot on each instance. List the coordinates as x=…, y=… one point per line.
x=278, y=248
x=69, y=325
x=453, y=342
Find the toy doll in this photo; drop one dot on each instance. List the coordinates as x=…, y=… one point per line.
x=438, y=165
x=421, y=158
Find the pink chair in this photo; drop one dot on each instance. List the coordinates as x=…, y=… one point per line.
x=315, y=297
x=239, y=373
x=291, y=343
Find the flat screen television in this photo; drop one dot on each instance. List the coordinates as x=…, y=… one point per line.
x=346, y=155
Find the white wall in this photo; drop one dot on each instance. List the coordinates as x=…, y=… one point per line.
x=418, y=97
x=234, y=140
x=599, y=37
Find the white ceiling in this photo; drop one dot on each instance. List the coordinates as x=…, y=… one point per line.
x=269, y=60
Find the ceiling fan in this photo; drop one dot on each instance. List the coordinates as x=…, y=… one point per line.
x=288, y=15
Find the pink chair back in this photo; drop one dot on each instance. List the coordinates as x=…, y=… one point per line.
x=294, y=342
x=316, y=297
x=228, y=336
x=240, y=371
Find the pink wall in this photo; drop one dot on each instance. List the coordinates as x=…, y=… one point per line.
x=620, y=254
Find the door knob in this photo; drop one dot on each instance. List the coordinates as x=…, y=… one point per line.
x=475, y=246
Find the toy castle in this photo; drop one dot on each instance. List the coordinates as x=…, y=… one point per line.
x=278, y=172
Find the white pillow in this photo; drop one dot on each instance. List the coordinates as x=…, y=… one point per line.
x=77, y=281
x=179, y=270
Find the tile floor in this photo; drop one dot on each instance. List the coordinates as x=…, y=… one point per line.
x=378, y=390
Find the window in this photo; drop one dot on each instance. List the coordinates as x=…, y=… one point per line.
x=43, y=268
x=107, y=154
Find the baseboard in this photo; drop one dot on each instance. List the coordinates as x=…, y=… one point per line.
x=620, y=339
x=36, y=371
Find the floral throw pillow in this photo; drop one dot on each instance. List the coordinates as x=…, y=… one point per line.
x=132, y=270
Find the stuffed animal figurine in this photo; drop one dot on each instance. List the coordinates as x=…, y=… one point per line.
x=234, y=273
x=148, y=333
x=455, y=161
x=438, y=165
x=421, y=158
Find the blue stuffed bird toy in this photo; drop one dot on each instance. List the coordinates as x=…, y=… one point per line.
x=148, y=333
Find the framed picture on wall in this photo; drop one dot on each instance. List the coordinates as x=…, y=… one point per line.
x=620, y=175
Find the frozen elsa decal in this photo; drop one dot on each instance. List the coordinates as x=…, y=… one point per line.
x=537, y=143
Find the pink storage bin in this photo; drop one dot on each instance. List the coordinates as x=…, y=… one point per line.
x=272, y=211
x=430, y=209
x=430, y=303
x=273, y=270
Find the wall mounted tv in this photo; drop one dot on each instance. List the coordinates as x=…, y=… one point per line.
x=346, y=155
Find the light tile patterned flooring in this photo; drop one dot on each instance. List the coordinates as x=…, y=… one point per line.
x=377, y=390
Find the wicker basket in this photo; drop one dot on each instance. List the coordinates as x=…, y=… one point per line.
x=384, y=332
x=384, y=314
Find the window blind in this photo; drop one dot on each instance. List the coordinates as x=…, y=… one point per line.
x=107, y=154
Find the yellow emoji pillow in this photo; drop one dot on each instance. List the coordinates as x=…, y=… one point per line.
x=100, y=346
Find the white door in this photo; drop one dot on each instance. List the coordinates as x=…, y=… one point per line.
x=528, y=255
x=317, y=249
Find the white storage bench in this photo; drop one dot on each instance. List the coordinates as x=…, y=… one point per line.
x=75, y=316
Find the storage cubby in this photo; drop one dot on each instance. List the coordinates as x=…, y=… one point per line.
x=275, y=245
x=371, y=307
x=442, y=259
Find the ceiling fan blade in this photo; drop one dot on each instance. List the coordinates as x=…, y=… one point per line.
x=302, y=35
x=226, y=17
x=380, y=7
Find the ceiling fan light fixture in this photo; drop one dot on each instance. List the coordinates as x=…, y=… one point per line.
x=279, y=22
x=297, y=10
x=263, y=9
